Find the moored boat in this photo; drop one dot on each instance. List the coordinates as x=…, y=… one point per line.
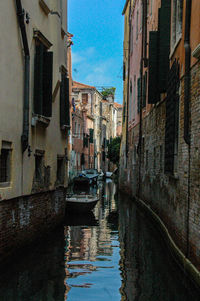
x=81, y=202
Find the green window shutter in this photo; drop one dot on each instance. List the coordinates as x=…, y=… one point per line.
x=67, y=107
x=62, y=102
x=153, y=95
x=47, y=83
x=38, y=79
x=138, y=93
x=164, y=44
x=144, y=87
x=91, y=135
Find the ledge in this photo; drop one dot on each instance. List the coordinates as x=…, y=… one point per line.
x=5, y=184
x=65, y=127
x=40, y=120
x=44, y=6
x=38, y=35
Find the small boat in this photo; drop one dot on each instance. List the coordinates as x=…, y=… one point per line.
x=81, y=202
x=91, y=174
x=108, y=174
x=82, y=180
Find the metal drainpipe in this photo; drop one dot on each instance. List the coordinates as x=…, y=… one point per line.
x=140, y=104
x=25, y=133
x=127, y=103
x=187, y=95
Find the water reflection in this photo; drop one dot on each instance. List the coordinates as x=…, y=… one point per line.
x=92, y=254
x=147, y=269
x=112, y=253
x=36, y=275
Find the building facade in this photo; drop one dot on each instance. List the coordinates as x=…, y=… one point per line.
x=34, y=119
x=163, y=116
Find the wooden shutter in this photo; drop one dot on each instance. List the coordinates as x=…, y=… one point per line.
x=138, y=93
x=62, y=102
x=47, y=83
x=164, y=44
x=153, y=95
x=67, y=108
x=38, y=79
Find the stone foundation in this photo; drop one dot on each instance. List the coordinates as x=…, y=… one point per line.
x=27, y=218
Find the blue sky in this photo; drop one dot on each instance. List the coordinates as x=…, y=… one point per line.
x=97, y=53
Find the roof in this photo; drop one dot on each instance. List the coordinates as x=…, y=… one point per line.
x=125, y=7
x=118, y=105
x=81, y=86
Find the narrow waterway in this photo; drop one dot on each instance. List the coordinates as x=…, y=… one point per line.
x=113, y=253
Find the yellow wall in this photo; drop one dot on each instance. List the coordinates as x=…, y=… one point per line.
x=52, y=140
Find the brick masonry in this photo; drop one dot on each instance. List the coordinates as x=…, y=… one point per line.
x=175, y=198
x=25, y=219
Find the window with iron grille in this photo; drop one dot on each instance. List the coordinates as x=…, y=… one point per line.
x=5, y=165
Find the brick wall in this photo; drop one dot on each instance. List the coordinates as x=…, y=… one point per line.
x=170, y=195
x=24, y=219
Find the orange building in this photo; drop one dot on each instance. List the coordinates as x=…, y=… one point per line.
x=164, y=122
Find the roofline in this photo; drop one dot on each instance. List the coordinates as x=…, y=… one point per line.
x=125, y=7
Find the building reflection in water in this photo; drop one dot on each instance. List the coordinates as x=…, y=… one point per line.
x=90, y=248
x=114, y=253
x=147, y=269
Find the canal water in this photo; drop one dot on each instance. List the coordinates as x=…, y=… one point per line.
x=113, y=253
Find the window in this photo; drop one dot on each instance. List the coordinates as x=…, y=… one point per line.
x=134, y=91
x=79, y=135
x=75, y=128
x=137, y=21
x=60, y=169
x=172, y=120
x=138, y=94
x=144, y=87
x=130, y=101
x=124, y=71
x=151, y=7
x=91, y=138
x=84, y=98
x=5, y=162
x=177, y=13
x=64, y=101
x=147, y=159
x=161, y=157
x=38, y=166
x=43, y=72
x=154, y=160
x=132, y=39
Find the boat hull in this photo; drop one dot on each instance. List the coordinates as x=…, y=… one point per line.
x=81, y=204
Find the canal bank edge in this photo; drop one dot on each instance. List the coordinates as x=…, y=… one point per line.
x=25, y=219
x=184, y=262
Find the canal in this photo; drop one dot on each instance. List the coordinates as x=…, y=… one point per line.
x=113, y=253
